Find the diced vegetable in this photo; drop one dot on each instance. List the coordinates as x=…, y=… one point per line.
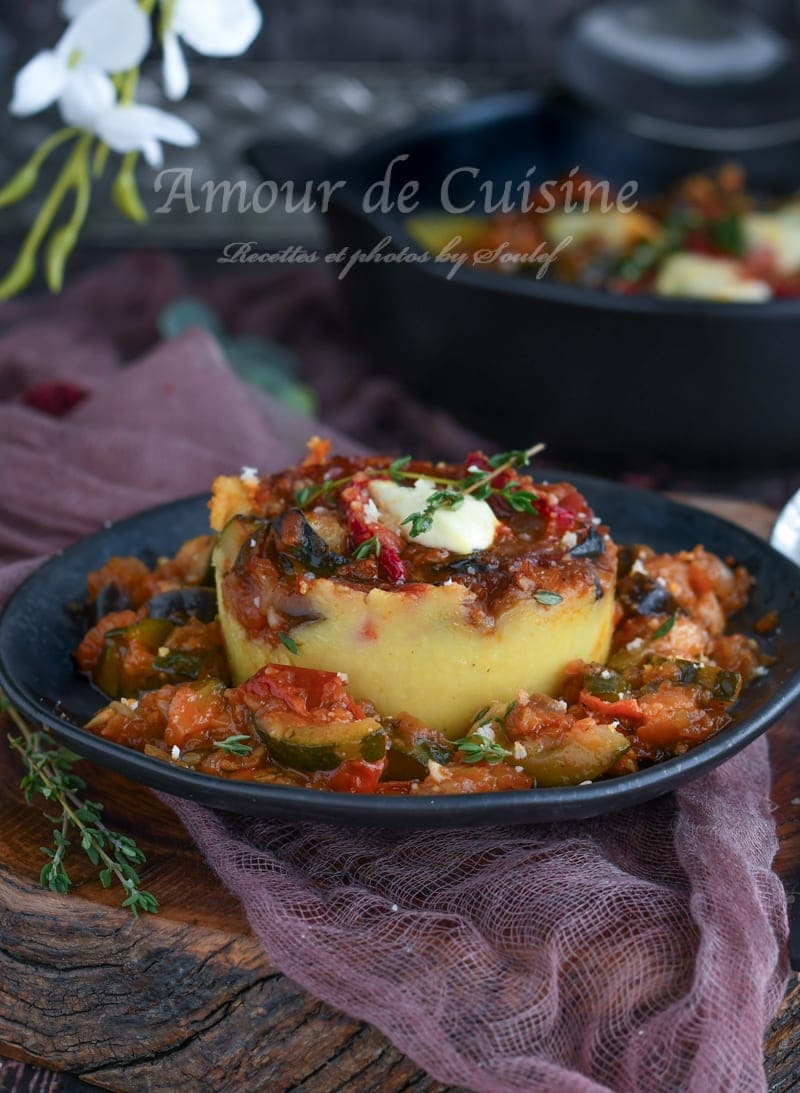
x=125, y=665
x=307, y=746
x=180, y=604
x=582, y=754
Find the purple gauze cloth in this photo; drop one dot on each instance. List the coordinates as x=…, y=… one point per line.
x=642, y=951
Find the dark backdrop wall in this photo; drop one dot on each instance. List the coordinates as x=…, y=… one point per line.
x=446, y=30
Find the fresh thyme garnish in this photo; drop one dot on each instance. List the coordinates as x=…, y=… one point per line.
x=478, y=484
x=289, y=642
x=480, y=743
x=397, y=467
x=665, y=627
x=518, y=500
x=423, y=521
x=308, y=494
x=235, y=745
x=368, y=547
x=548, y=599
x=474, y=749
x=49, y=775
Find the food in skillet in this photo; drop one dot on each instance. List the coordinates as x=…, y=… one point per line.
x=393, y=626
x=707, y=238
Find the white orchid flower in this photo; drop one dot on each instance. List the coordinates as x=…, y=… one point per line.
x=132, y=127
x=105, y=36
x=125, y=127
x=215, y=28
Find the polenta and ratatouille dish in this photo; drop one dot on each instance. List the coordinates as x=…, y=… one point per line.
x=392, y=626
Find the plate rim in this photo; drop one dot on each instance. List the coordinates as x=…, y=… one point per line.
x=510, y=805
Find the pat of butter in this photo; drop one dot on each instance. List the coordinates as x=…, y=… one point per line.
x=778, y=232
x=470, y=526
x=703, y=277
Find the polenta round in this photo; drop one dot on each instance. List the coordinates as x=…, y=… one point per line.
x=348, y=565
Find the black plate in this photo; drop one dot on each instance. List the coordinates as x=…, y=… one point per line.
x=37, y=636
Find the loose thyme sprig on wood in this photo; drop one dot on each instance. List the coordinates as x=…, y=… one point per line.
x=49, y=775
x=478, y=484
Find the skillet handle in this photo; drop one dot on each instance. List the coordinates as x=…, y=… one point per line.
x=291, y=159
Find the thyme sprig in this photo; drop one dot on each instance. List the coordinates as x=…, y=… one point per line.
x=307, y=495
x=480, y=745
x=423, y=521
x=49, y=774
x=474, y=749
x=478, y=484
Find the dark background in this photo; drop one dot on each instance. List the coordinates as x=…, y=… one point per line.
x=395, y=30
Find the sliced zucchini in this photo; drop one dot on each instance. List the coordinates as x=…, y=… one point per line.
x=582, y=754
x=239, y=536
x=109, y=675
x=306, y=746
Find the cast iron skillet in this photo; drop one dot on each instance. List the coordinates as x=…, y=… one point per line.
x=689, y=381
x=37, y=635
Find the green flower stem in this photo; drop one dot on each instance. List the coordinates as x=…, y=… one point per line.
x=64, y=240
x=22, y=272
x=128, y=83
x=125, y=191
x=100, y=158
x=167, y=12
x=27, y=176
x=47, y=773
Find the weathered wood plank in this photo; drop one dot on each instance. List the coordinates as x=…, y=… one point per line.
x=179, y=999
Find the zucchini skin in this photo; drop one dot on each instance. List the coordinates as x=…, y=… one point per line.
x=322, y=747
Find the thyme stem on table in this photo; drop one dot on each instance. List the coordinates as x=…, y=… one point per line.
x=49, y=775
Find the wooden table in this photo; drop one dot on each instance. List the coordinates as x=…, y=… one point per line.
x=188, y=998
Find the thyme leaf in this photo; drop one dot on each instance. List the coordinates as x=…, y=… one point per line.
x=288, y=642
x=397, y=466
x=547, y=598
x=238, y=744
x=665, y=627
x=474, y=749
x=368, y=547
x=48, y=773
